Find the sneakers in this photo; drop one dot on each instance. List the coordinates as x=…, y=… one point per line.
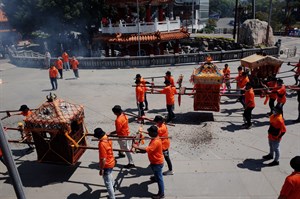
x=274, y=163
x=168, y=173
x=121, y=155
x=158, y=196
x=267, y=157
x=129, y=166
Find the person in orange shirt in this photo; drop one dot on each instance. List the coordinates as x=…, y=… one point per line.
x=74, y=64
x=163, y=132
x=242, y=80
x=272, y=83
x=156, y=158
x=170, y=92
x=66, y=63
x=106, y=160
x=281, y=93
x=1, y=157
x=59, y=66
x=291, y=186
x=170, y=78
x=226, y=73
x=122, y=130
x=140, y=97
x=143, y=82
x=53, y=72
x=275, y=132
x=297, y=72
x=249, y=105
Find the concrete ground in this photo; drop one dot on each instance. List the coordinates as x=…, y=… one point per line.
x=213, y=158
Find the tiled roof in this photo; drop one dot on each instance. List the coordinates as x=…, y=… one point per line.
x=144, y=38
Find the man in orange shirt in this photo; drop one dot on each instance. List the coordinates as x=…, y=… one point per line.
x=242, y=80
x=226, y=73
x=140, y=97
x=106, y=160
x=53, y=72
x=156, y=158
x=170, y=92
x=291, y=186
x=170, y=78
x=143, y=83
x=74, y=64
x=272, y=83
x=249, y=105
x=122, y=130
x=66, y=63
x=163, y=132
x=281, y=93
x=275, y=132
x=59, y=66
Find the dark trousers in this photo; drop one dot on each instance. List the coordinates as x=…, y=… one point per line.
x=296, y=79
x=53, y=83
x=271, y=104
x=60, y=73
x=170, y=109
x=141, y=109
x=248, y=115
x=168, y=160
x=242, y=97
x=146, y=101
x=76, y=72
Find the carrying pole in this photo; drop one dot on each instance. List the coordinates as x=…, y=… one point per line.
x=11, y=166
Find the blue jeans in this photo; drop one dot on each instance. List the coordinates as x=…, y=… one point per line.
x=274, y=147
x=66, y=65
x=53, y=83
x=157, y=170
x=109, y=182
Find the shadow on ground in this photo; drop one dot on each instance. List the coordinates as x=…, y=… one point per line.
x=194, y=118
x=252, y=164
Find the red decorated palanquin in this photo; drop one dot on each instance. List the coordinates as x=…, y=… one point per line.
x=138, y=24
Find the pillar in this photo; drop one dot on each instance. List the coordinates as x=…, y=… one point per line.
x=148, y=13
x=160, y=13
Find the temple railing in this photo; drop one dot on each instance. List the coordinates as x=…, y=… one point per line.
x=145, y=61
x=144, y=27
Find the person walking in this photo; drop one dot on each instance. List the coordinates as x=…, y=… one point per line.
x=140, y=97
x=164, y=134
x=66, y=63
x=74, y=65
x=249, y=105
x=106, y=160
x=59, y=66
x=143, y=83
x=297, y=71
x=242, y=80
x=281, y=94
x=122, y=130
x=170, y=92
x=156, y=158
x=291, y=186
x=272, y=83
x=170, y=78
x=53, y=72
x=226, y=73
x=275, y=132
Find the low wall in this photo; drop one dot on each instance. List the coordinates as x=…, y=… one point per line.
x=145, y=61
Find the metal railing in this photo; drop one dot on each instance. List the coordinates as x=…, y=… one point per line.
x=23, y=60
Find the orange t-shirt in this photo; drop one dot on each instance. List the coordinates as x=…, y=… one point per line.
x=281, y=94
x=53, y=72
x=74, y=64
x=226, y=73
x=106, y=151
x=249, y=98
x=291, y=186
x=277, y=122
x=170, y=92
x=59, y=64
x=65, y=57
x=171, y=80
x=143, y=83
x=163, y=132
x=121, y=123
x=26, y=114
x=155, y=152
x=273, y=94
x=241, y=81
x=140, y=93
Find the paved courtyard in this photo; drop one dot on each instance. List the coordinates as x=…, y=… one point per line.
x=213, y=158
